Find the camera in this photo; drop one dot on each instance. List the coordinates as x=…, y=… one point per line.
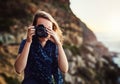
x=40, y=31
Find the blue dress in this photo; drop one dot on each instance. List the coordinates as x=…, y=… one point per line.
x=42, y=64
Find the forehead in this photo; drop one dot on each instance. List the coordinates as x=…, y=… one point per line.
x=45, y=22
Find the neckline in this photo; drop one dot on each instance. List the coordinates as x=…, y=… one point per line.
x=46, y=44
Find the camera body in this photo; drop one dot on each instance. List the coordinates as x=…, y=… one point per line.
x=40, y=31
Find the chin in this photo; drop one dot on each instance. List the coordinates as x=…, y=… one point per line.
x=43, y=39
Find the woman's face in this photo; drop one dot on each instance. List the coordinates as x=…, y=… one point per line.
x=46, y=23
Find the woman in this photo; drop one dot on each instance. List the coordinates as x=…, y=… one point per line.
x=42, y=58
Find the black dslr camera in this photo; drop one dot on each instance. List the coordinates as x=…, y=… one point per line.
x=40, y=31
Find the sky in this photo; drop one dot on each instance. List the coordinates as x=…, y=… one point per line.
x=102, y=17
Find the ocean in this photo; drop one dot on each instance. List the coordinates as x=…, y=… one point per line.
x=112, y=43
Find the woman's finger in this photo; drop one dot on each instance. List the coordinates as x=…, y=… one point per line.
x=50, y=32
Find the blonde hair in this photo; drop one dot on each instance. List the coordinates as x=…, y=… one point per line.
x=47, y=16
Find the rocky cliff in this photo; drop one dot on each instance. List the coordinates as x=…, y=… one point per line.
x=90, y=62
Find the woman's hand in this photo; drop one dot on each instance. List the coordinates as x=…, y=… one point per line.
x=54, y=37
x=30, y=33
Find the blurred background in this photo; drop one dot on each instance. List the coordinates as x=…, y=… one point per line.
x=90, y=29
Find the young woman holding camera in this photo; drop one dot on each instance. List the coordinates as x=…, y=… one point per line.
x=42, y=58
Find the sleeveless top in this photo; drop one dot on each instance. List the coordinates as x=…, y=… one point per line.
x=42, y=64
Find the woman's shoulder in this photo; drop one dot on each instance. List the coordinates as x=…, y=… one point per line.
x=22, y=45
x=23, y=41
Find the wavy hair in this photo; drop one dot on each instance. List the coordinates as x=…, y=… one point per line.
x=43, y=14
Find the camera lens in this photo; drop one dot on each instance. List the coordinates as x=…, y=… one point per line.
x=41, y=31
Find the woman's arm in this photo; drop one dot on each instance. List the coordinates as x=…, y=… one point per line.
x=62, y=59
x=21, y=60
